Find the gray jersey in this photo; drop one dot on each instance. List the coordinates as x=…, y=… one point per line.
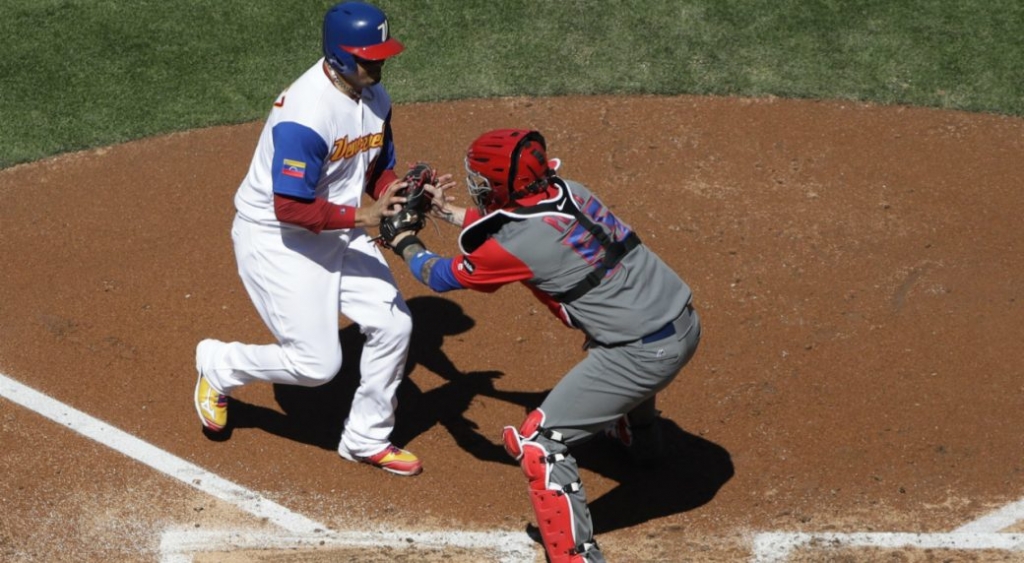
x=551, y=250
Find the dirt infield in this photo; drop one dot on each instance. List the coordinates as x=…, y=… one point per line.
x=858, y=271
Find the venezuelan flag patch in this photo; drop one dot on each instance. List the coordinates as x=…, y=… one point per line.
x=293, y=168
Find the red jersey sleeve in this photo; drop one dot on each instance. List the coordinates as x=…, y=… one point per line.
x=472, y=216
x=489, y=267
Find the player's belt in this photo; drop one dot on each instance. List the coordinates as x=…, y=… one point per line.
x=664, y=332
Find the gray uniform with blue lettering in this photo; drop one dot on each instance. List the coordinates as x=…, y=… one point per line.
x=638, y=297
x=594, y=273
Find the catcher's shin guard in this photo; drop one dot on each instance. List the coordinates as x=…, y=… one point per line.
x=556, y=493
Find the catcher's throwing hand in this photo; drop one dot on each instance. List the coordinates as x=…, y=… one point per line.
x=441, y=203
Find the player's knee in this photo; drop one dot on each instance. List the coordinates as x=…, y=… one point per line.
x=393, y=334
x=514, y=437
x=538, y=457
x=313, y=370
x=315, y=376
x=534, y=446
x=400, y=328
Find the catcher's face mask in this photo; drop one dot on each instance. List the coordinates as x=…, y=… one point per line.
x=479, y=188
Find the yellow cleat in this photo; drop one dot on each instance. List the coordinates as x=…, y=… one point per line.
x=391, y=459
x=212, y=405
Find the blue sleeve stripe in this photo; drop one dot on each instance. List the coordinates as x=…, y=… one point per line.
x=386, y=160
x=442, y=278
x=299, y=153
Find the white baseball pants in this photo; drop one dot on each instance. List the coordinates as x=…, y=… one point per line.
x=299, y=281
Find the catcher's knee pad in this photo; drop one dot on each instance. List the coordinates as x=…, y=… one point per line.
x=556, y=493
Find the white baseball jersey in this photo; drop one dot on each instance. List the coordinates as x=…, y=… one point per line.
x=318, y=142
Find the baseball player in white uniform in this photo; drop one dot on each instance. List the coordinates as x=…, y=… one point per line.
x=301, y=248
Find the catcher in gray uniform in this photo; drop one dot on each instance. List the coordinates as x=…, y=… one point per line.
x=556, y=237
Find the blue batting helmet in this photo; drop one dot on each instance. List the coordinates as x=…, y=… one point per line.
x=355, y=29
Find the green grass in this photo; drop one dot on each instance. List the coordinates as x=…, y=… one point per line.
x=77, y=74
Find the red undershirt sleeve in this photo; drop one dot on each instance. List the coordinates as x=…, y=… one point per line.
x=383, y=181
x=556, y=308
x=316, y=215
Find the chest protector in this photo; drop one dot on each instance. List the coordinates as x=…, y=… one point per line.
x=614, y=250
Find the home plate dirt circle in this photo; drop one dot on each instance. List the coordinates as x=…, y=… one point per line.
x=857, y=394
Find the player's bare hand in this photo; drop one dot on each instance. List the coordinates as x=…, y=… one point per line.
x=441, y=205
x=389, y=202
x=386, y=205
x=438, y=192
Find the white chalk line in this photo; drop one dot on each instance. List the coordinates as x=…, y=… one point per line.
x=304, y=531
x=147, y=454
x=997, y=520
x=180, y=546
x=775, y=547
x=981, y=533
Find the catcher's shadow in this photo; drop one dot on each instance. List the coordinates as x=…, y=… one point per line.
x=689, y=477
x=691, y=474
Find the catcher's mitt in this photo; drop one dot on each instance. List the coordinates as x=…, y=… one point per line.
x=412, y=216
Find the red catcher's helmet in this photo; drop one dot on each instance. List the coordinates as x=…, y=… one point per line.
x=504, y=165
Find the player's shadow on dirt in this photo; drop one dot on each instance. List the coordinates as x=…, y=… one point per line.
x=316, y=415
x=691, y=476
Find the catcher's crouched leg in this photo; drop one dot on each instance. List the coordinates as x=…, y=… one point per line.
x=643, y=441
x=556, y=493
